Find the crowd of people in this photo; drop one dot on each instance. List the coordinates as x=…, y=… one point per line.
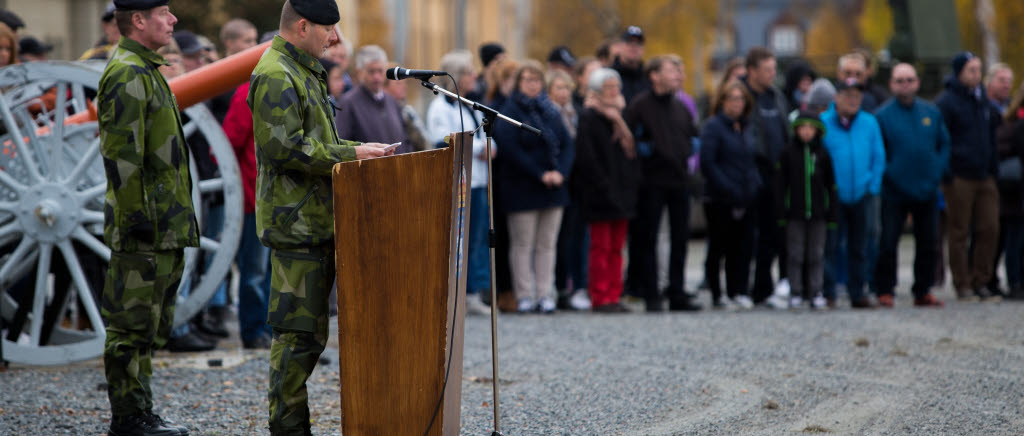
x=817, y=176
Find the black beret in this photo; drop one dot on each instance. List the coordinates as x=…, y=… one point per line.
x=318, y=11
x=11, y=20
x=138, y=5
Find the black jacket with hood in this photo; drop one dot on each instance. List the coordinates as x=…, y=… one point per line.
x=805, y=186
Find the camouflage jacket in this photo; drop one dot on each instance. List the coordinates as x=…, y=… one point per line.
x=297, y=145
x=149, y=190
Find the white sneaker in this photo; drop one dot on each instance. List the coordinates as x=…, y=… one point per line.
x=525, y=305
x=474, y=306
x=795, y=302
x=777, y=301
x=782, y=288
x=818, y=302
x=546, y=305
x=744, y=302
x=580, y=300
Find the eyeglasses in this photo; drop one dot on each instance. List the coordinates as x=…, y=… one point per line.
x=854, y=73
x=902, y=80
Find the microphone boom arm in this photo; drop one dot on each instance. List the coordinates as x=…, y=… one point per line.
x=488, y=112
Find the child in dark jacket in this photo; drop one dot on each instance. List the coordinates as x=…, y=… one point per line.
x=806, y=201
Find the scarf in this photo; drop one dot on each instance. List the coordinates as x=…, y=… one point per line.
x=538, y=112
x=569, y=117
x=612, y=111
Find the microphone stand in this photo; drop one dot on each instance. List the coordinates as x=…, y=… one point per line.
x=490, y=116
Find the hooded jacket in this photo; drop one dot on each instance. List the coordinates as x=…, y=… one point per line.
x=858, y=156
x=805, y=187
x=972, y=122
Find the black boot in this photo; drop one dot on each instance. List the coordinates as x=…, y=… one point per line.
x=156, y=419
x=654, y=304
x=141, y=424
x=214, y=322
x=683, y=303
x=189, y=343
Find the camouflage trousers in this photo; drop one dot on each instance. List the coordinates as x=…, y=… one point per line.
x=138, y=307
x=300, y=285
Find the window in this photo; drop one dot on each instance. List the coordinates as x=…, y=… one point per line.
x=787, y=40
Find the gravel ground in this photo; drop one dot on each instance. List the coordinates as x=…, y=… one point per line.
x=905, y=371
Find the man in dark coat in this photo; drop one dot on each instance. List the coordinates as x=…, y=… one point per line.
x=663, y=129
x=768, y=134
x=970, y=189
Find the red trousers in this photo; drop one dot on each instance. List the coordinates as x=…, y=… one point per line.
x=606, y=241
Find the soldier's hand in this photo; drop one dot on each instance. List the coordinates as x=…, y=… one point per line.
x=371, y=150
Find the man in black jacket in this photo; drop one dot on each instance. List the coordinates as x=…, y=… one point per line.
x=972, y=197
x=768, y=134
x=663, y=130
x=630, y=64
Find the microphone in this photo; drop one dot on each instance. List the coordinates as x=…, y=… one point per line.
x=399, y=73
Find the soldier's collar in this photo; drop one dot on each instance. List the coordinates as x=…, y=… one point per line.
x=299, y=55
x=141, y=50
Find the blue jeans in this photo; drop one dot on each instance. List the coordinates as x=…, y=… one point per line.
x=925, y=215
x=186, y=289
x=253, y=295
x=479, y=277
x=214, y=225
x=853, y=225
x=872, y=235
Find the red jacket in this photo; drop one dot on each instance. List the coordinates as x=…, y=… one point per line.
x=238, y=128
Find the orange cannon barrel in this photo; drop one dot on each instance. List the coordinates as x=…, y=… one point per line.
x=204, y=83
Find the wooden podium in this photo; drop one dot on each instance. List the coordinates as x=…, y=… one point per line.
x=402, y=233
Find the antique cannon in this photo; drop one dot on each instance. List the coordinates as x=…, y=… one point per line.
x=52, y=183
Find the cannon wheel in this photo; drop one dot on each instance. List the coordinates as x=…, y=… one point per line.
x=52, y=186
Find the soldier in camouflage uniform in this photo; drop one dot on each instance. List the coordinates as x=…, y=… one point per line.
x=148, y=213
x=297, y=145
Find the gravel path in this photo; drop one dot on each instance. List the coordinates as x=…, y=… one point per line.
x=905, y=371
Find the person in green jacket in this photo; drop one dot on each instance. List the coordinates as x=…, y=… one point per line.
x=148, y=213
x=805, y=203
x=297, y=145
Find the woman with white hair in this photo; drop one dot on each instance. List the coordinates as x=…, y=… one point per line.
x=607, y=170
x=444, y=116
